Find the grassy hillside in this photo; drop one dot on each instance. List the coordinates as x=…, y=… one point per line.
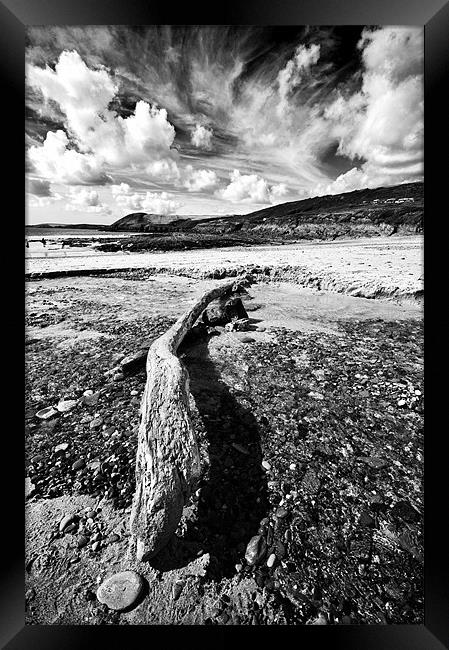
x=385, y=209
x=362, y=213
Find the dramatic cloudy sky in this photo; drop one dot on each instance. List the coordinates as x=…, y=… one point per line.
x=216, y=120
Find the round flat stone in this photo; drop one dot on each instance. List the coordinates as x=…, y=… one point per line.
x=46, y=413
x=121, y=590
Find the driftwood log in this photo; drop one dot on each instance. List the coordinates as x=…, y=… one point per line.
x=167, y=462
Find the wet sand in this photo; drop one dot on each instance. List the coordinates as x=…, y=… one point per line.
x=365, y=267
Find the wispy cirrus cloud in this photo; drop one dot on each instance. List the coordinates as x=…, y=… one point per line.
x=207, y=119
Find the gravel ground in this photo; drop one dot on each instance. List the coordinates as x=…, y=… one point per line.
x=309, y=508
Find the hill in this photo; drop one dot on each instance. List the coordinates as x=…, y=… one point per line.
x=362, y=213
x=365, y=212
x=383, y=210
x=141, y=222
x=69, y=226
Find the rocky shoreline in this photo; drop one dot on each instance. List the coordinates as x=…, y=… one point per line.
x=309, y=508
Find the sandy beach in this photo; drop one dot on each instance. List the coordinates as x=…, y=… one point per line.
x=384, y=266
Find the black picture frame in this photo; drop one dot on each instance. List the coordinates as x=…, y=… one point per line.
x=15, y=16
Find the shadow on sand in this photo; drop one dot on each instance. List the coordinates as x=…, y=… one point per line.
x=233, y=497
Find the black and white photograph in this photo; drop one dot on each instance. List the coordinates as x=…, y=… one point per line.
x=224, y=298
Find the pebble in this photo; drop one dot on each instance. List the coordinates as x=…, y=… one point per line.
x=315, y=395
x=62, y=447
x=65, y=406
x=293, y=466
x=281, y=513
x=401, y=402
x=134, y=361
x=266, y=465
x=95, y=545
x=246, y=339
x=177, y=589
x=46, y=413
x=82, y=541
x=95, y=423
x=238, y=567
x=90, y=399
x=114, y=537
x=271, y=560
x=119, y=376
x=66, y=520
x=256, y=549
x=78, y=464
x=121, y=590
x=70, y=528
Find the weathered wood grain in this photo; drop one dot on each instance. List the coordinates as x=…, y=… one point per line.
x=167, y=462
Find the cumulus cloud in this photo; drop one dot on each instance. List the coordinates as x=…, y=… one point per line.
x=287, y=122
x=278, y=192
x=156, y=203
x=251, y=188
x=56, y=162
x=200, y=180
x=166, y=171
x=160, y=203
x=126, y=198
x=396, y=52
x=122, y=189
x=201, y=137
x=84, y=200
x=104, y=138
x=382, y=124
